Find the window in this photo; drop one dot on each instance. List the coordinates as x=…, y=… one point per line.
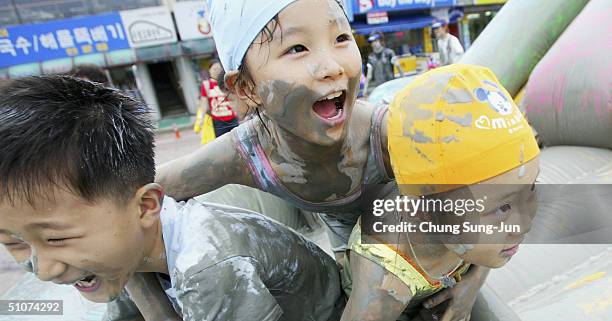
x=8, y=16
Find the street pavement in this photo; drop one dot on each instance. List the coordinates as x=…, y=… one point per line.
x=168, y=147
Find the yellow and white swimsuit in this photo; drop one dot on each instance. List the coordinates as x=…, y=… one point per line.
x=393, y=260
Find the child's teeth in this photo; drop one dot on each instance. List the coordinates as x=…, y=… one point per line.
x=86, y=284
x=334, y=95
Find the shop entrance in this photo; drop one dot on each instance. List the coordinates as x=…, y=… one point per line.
x=122, y=77
x=166, y=84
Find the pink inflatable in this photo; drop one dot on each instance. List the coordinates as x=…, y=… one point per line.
x=568, y=97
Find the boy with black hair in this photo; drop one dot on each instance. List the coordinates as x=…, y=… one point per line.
x=78, y=206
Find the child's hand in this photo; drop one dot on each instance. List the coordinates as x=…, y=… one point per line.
x=461, y=297
x=433, y=314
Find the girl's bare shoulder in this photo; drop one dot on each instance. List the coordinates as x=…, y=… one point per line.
x=363, y=108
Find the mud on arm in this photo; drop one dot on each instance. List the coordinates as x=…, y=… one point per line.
x=377, y=294
x=213, y=165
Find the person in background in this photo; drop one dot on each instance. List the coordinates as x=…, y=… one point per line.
x=448, y=45
x=217, y=103
x=90, y=72
x=243, y=112
x=380, y=63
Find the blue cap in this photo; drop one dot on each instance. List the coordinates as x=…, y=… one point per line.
x=374, y=37
x=439, y=23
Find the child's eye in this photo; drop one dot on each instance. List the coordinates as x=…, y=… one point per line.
x=57, y=241
x=296, y=49
x=343, y=37
x=13, y=244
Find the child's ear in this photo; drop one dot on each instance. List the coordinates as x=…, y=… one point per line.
x=150, y=199
x=245, y=92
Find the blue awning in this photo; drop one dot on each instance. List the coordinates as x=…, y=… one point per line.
x=398, y=24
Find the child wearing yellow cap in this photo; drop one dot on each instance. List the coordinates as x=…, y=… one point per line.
x=453, y=134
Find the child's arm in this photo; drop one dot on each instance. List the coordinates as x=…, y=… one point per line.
x=214, y=165
x=146, y=292
x=377, y=294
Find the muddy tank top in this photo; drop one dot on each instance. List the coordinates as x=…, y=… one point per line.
x=250, y=149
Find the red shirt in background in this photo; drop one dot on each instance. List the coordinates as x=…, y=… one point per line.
x=220, y=104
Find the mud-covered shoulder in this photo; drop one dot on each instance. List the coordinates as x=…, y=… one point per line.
x=362, y=112
x=361, y=123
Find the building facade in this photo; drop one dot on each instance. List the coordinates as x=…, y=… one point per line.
x=153, y=48
x=161, y=49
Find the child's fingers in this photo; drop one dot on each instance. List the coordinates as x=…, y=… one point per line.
x=438, y=298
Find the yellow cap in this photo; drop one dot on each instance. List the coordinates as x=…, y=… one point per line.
x=455, y=125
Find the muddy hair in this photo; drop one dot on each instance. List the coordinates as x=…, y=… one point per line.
x=60, y=132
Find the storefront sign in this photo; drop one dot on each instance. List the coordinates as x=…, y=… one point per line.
x=191, y=20
x=375, y=18
x=364, y=6
x=440, y=14
x=61, y=39
x=348, y=9
x=149, y=26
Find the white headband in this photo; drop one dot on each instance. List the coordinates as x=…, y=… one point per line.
x=236, y=23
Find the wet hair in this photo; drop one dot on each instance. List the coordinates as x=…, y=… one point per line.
x=89, y=72
x=73, y=134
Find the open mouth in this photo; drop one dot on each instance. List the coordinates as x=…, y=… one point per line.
x=88, y=284
x=331, y=107
x=510, y=251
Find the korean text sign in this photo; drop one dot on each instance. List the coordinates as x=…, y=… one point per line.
x=61, y=39
x=364, y=6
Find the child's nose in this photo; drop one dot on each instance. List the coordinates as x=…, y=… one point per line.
x=47, y=269
x=329, y=68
